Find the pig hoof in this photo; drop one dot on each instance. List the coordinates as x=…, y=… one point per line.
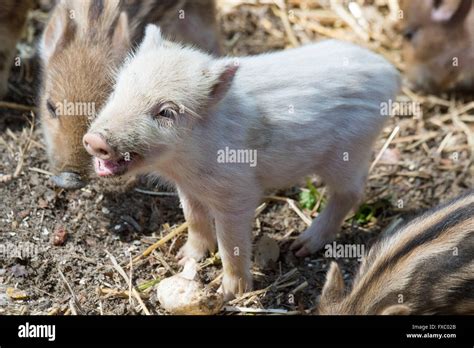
x=310, y=242
x=191, y=251
x=226, y=296
x=233, y=286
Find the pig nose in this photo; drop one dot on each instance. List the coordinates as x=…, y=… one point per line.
x=97, y=146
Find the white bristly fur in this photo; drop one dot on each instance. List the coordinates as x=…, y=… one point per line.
x=314, y=109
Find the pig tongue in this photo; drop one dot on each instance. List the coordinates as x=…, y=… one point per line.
x=106, y=168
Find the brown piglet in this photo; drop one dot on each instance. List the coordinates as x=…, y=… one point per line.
x=424, y=267
x=438, y=45
x=82, y=45
x=13, y=14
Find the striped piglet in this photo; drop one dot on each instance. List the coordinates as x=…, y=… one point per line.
x=425, y=267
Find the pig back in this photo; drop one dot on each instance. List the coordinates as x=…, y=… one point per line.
x=326, y=71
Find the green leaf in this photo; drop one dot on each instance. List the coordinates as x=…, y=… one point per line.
x=309, y=198
x=365, y=214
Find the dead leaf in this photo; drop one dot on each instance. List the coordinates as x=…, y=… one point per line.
x=16, y=294
x=267, y=252
x=390, y=156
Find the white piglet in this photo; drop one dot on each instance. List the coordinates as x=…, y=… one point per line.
x=225, y=130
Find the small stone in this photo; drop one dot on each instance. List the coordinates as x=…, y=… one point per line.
x=49, y=195
x=59, y=235
x=183, y=294
x=179, y=296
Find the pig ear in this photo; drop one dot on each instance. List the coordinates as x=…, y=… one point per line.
x=222, y=75
x=56, y=34
x=333, y=289
x=152, y=39
x=121, y=36
x=396, y=310
x=450, y=11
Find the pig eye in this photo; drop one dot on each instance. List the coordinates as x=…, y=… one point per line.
x=409, y=33
x=51, y=108
x=167, y=111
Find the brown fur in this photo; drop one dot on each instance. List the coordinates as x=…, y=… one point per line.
x=93, y=43
x=79, y=69
x=13, y=14
x=433, y=44
x=425, y=267
x=199, y=25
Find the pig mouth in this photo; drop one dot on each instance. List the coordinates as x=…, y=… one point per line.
x=110, y=168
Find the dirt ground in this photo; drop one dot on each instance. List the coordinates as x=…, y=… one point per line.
x=65, y=236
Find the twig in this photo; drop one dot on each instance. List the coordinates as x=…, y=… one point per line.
x=162, y=241
x=130, y=281
x=286, y=23
x=41, y=171
x=276, y=283
x=293, y=206
x=465, y=108
x=318, y=203
x=320, y=29
x=394, y=10
x=15, y=106
x=254, y=310
x=73, y=295
x=127, y=280
x=384, y=147
x=349, y=19
x=71, y=307
x=260, y=208
x=153, y=193
x=300, y=287
x=410, y=138
x=118, y=293
x=444, y=142
x=469, y=135
x=24, y=149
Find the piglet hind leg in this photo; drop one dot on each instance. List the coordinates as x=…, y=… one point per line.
x=324, y=227
x=201, y=233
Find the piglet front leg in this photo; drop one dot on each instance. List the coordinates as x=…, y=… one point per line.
x=235, y=248
x=201, y=234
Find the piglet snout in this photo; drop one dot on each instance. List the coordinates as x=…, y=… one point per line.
x=96, y=146
x=68, y=180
